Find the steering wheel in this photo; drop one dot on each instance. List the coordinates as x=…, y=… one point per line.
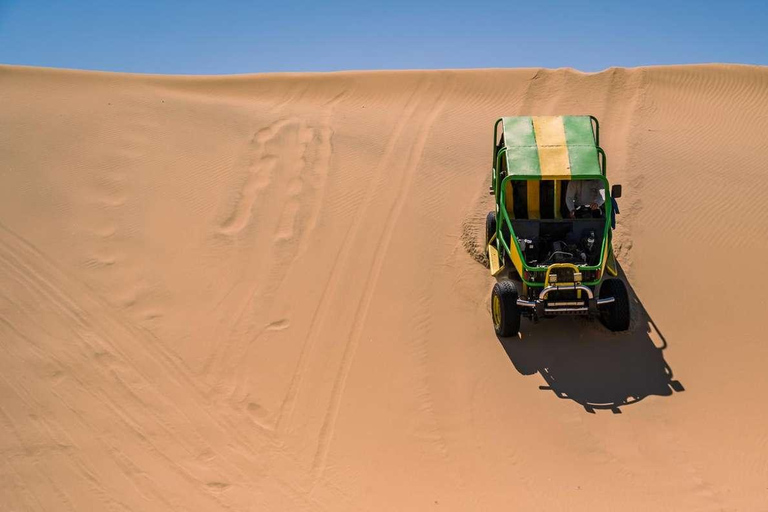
x=585, y=212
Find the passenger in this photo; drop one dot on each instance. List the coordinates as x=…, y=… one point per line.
x=589, y=193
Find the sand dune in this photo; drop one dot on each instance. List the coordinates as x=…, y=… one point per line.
x=266, y=293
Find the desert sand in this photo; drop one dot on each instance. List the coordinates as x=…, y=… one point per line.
x=267, y=292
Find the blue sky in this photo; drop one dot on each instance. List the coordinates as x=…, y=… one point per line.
x=221, y=37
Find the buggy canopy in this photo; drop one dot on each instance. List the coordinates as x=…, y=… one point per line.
x=550, y=147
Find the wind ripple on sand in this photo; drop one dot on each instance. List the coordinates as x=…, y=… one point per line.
x=268, y=291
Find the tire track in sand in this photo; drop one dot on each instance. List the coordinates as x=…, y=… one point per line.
x=407, y=175
x=320, y=313
x=100, y=337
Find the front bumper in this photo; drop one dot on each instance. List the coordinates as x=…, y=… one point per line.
x=580, y=306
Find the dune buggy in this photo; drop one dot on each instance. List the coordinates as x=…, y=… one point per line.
x=550, y=257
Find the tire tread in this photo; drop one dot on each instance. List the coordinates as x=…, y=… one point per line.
x=615, y=316
x=510, y=314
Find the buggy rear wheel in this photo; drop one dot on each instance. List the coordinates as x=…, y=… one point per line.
x=504, y=310
x=615, y=316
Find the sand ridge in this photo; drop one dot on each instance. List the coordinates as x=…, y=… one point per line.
x=267, y=292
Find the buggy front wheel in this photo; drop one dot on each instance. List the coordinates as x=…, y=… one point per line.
x=615, y=316
x=504, y=310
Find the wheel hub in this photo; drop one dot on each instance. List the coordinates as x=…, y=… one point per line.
x=496, y=307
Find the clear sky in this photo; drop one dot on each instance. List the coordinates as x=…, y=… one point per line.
x=219, y=36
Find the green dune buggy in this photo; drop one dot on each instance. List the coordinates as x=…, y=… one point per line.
x=552, y=256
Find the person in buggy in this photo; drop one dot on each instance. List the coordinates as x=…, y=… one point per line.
x=585, y=198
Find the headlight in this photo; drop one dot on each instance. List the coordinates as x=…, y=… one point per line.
x=577, y=277
x=552, y=278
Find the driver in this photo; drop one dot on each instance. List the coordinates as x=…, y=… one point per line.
x=589, y=193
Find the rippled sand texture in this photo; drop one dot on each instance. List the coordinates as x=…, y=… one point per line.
x=267, y=292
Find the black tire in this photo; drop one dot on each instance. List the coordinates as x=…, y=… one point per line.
x=504, y=310
x=615, y=316
x=490, y=227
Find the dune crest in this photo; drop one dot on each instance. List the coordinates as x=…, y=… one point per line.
x=268, y=292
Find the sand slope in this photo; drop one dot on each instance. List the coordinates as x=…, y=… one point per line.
x=263, y=293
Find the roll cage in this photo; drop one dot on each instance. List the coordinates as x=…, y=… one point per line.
x=502, y=175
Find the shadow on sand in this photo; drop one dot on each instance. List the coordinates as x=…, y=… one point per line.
x=582, y=361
